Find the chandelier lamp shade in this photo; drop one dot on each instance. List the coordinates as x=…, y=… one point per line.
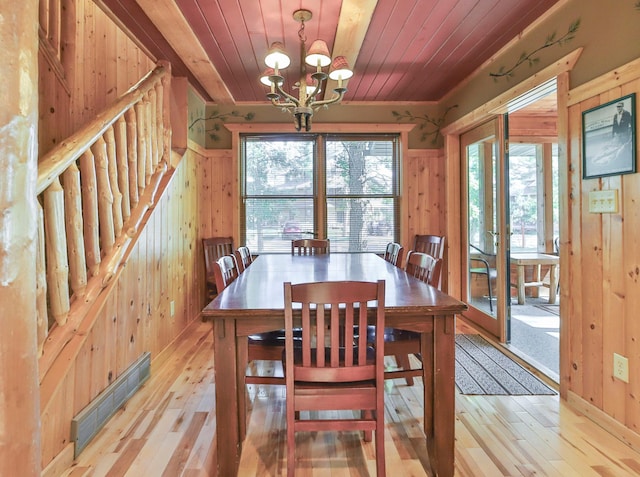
x=309, y=85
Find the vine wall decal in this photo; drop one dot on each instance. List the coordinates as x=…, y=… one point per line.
x=217, y=119
x=531, y=59
x=425, y=121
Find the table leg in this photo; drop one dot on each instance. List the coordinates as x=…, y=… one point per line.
x=226, y=385
x=427, y=348
x=553, y=283
x=520, y=284
x=442, y=441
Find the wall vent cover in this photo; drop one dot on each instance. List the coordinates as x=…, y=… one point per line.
x=93, y=417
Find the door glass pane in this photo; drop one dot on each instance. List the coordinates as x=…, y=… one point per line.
x=524, y=161
x=482, y=225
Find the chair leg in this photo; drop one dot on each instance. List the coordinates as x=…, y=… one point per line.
x=368, y=435
x=380, y=457
x=490, y=295
x=402, y=361
x=291, y=443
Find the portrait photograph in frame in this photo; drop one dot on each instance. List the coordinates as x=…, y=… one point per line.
x=609, y=138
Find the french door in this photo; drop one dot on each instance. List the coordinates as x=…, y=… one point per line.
x=485, y=226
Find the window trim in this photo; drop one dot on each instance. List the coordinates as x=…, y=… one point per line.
x=402, y=129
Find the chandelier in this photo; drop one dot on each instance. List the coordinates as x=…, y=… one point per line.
x=309, y=85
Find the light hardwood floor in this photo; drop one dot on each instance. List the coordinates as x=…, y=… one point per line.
x=168, y=429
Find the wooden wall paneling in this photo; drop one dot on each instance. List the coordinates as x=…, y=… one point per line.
x=425, y=185
x=152, y=320
x=573, y=256
x=90, y=66
x=102, y=63
x=165, y=262
x=110, y=366
x=224, y=175
x=601, y=253
x=140, y=297
x=590, y=270
x=111, y=52
x=98, y=350
x=160, y=293
x=144, y=293
x=111, y=371
x=204, y=190
x=174, y=273
x=163, y=292
x=177, y=206
x=82, y=370
x=194, y=286
x=74, y=71
x=202, y=183
x=56, y=427
x=54, y=104
x=121, y=62
x=612, y=296
x=564, y=210
x=630, y=273
x=98, y=26
x=184, y=249
x=629, y=269
x=126, y=310
x=532, y=127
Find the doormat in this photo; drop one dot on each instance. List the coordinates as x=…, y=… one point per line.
x=481, y=368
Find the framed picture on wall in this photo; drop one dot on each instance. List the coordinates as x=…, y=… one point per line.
x=609, y=138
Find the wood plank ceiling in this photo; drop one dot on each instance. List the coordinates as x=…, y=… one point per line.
x=400, y=50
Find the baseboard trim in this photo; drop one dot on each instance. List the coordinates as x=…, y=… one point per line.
x=605, y=421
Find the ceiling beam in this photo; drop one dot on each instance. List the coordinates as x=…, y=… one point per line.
x=168, y=19
x=355, y=16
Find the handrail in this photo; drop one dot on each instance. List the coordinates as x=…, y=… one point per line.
x=94, y=189
x=54, y=163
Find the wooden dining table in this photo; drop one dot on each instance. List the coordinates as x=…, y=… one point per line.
x=254, y=303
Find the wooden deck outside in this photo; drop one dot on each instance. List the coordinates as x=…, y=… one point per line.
x=168, y=429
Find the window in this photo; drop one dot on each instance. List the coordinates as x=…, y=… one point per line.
x=530, y=189
x=343, y=187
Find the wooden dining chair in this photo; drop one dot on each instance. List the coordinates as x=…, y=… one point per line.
x=310, y=246
x=393, y=253
x=214, y=248
x=267, y=346
x=243, y=257
x=331, y=370
x=430, y=244
x=401, y=344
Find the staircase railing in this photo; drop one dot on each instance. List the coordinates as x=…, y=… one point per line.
x=94, y=190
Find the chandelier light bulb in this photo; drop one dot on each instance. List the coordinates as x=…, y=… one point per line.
x=276, y=57
x=318, y=55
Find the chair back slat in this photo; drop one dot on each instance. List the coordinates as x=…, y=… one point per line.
x=225, y=271
x=243, y=258
x=393, y=253
x=310, y=246
x=214, y=248
x=431, y=244
x=329, y=312
x=424, y=267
